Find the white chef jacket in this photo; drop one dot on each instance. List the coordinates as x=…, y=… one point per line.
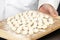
x=12, y=7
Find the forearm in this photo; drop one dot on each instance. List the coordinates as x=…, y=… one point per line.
x=53, y=3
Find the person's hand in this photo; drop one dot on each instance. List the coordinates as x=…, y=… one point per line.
x=46, y=8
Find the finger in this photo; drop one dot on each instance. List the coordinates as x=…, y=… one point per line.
x=56, y=13
x=53, y=12
x=42, y=9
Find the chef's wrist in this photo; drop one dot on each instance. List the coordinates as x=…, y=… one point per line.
x=46, y=5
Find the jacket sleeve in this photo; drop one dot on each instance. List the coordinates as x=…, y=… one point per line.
x=54, y=3
x=1, y=9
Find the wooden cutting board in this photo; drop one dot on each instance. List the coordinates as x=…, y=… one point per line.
x=9, y=36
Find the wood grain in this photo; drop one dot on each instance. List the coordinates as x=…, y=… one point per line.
x=9, y=36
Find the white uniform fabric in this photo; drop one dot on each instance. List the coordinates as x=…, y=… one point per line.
x=54, y=3
x=11, y=7
x=16, y=6
x=1, y=9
